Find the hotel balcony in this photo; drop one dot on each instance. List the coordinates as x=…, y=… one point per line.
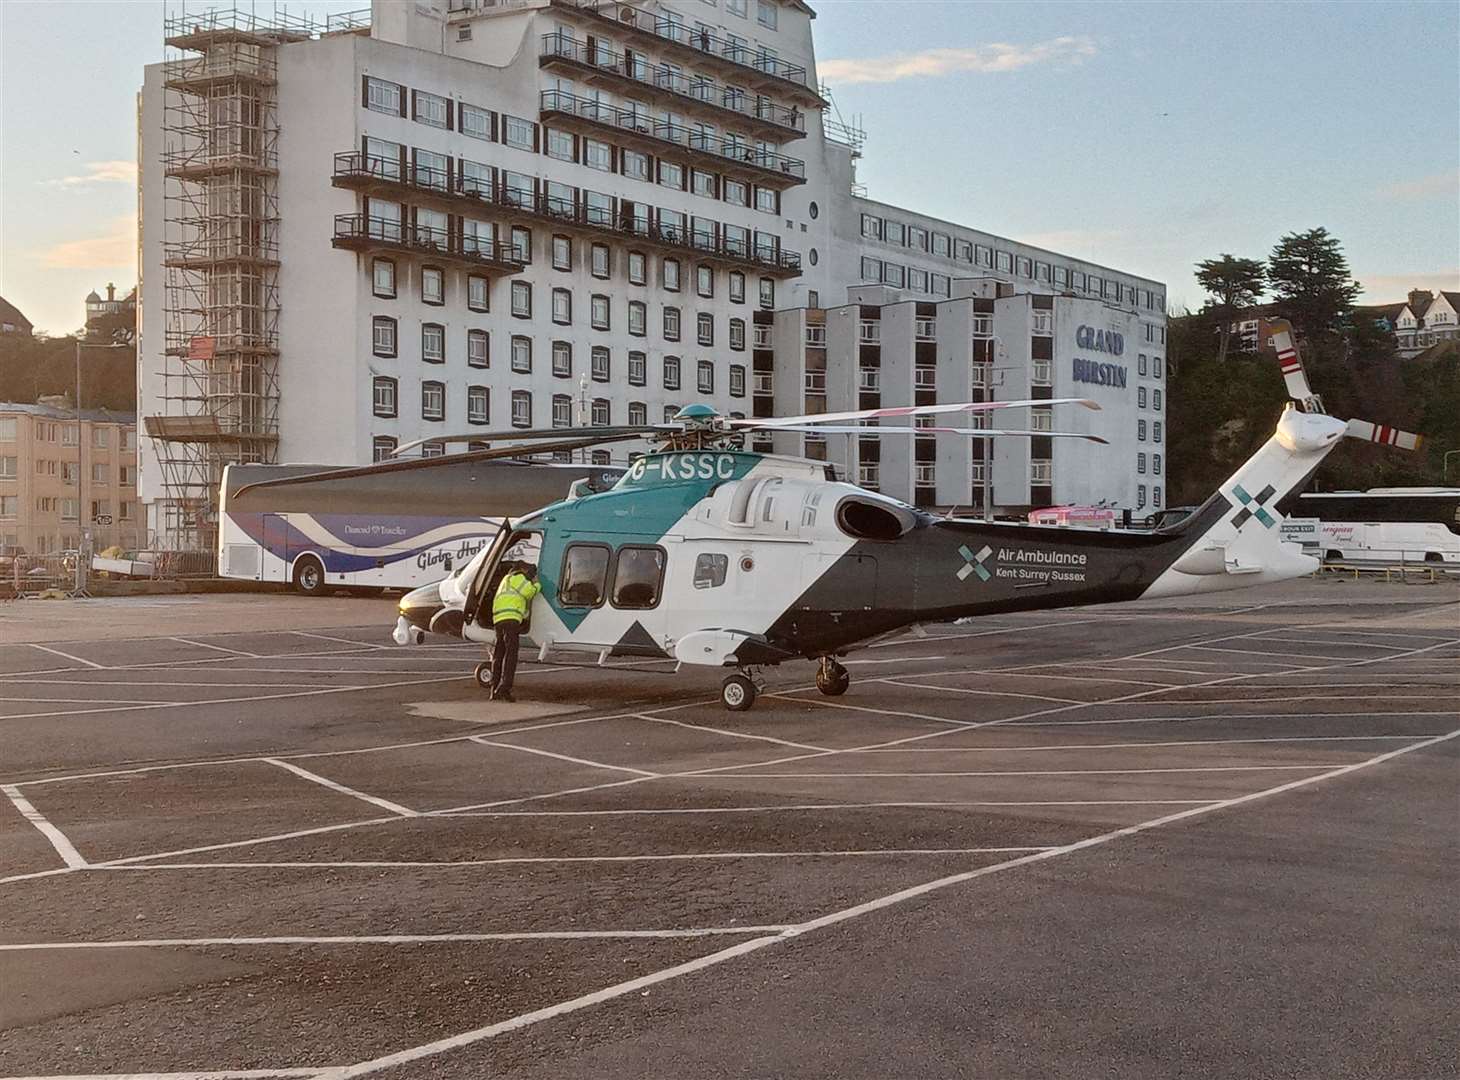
x=387, y=176
x=372, y=235
x=672, y=141
x=733, y=60
x=597, y=64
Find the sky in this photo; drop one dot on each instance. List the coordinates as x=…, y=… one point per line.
x=1144, y=136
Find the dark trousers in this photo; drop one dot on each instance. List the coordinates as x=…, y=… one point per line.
x=504, y=655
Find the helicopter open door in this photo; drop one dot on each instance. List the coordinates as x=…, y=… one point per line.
x=483, y=582
x=510, y=545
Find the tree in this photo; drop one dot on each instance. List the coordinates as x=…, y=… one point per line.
x=1234, y=284
x=1310, y=278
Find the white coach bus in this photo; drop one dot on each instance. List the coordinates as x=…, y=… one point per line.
x=1386, y=524
x=322, y=527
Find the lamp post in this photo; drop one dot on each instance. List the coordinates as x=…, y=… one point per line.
x=83, y=557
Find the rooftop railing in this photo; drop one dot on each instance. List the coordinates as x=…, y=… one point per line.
x=362, y=232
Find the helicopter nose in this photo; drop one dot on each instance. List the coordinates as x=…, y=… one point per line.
x=419, y=606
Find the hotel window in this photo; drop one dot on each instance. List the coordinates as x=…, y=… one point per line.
x=737, y=380
x=638, y=318
x=475, y=122
x=477, y=404
x=703, y=183
x=434, y=448
x=433, y=401
x=1156, y=497
x=522, y=408
x=602, y=412
x=562, y=253
x=638, y=268
x=634, y=165
x=98, y=471
x=384, y=390
x=99, y=438
x=598, y=155
x=638, y=369
x=706, y=377
x=381, y=447
x=767, y=200
x=562, y=360
x=940, y=285
x=520, y=190
x=1156, y=431
x=519, y=133
x=671, y=324
x=599, y=363
x=917, y=238
x=474, y=178
x=1005, y=262
x=894, y=232
x=382, y=278
x=705, y=281
x=1156, y=464
x=1061, y=275
x=963, y=251
x=1140, y=397
x=1093, y=284
x=768, y=293
x=1041, y=271
x=671, y=373
x=1041, y=472
x=562, y=307
x=942, y=245
x=737, y=239
x=126, y=475
x=671, y=412
x=383, y=336
x=871, y=269
x=1156, y=398
x=1141, y=430
x=1140, y=496
x=765, y=14
x=430, y=109
x=1024, y=266
x=670, y=272
x=433, y=343
x=478, y=353
x=671, y=175
x=737, y=193
x=705, y=328
x=983, y=256
x=1040, y=373
x=433, y=286
x=737, y=287
x=386, y=97
x=598, y=312
x=559, y=145
x=599, y=261
x=478, y=293
x=1155, y=367
x=522, y=243
x=737, y=335
x=522, y=299
x=70, y=435
x=522, y=355
x=1141, y=463
x=638, y=414
x=1041, y=418
x=1141, y=363
x=892, y=274
x=917, y=280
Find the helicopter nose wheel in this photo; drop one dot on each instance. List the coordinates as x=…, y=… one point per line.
x=831, y=678
x=483, y=673
x=737, y=693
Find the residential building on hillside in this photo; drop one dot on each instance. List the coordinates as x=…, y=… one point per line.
x=58, y=481
x=524, y=214
x=114, y=318
x=11, y=320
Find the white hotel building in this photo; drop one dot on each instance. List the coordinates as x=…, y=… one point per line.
x=529, y=213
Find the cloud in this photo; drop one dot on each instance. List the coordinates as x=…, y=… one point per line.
x=115, y=248
x=98, y=172
x=1392, y=288
x=994, y=58
x=1423, y=187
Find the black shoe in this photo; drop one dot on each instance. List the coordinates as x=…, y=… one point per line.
x=503, y=695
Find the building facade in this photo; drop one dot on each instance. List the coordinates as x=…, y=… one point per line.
x=535, y=213
x=58, y=481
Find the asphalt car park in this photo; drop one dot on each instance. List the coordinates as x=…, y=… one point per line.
x=1196, y=839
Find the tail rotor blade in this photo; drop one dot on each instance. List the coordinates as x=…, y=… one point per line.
x=1292, y=367
x=1384, y=435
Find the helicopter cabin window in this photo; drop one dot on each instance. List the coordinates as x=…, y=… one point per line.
x=710, y=570
x=640, y=574
x=585, y=575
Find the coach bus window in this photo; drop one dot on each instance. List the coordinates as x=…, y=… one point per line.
x=585, y=572
x=710, y=571
x=638, y=578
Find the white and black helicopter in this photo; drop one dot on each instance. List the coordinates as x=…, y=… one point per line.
x=713, y=555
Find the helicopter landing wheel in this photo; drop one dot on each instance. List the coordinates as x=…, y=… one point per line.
x=483, y=674
x=737, y=693
x=831, y=678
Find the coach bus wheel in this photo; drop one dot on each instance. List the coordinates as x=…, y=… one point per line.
x=483, y=675
x=831, y=678
x=737, y=693
x=309, y=576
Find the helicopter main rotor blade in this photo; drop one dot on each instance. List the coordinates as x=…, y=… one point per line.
x=976, y=433
x=408, y=464
x=520, y=434
x=906, y=410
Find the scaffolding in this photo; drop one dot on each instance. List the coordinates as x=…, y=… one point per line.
x=220, y=377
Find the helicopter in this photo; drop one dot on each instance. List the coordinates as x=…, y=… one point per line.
x=713, y=555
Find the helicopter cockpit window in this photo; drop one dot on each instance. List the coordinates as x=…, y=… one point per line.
x=585, y=574
x=710, y=570
x=639, y=577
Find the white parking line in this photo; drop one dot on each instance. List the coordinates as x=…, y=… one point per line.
x=64, y=848
x=1025, y=772
x=560, y=757
x=215, y=648
x=211, y=1074
x=342, y=641
x=387, y=939
x=776, y=808
x=609, y=993
x=1219, y=716
x=982, y=693
x=66, y=655
x=731, y=734
x=324, y=781
x=1144, y=745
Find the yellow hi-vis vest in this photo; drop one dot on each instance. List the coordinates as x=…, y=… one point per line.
x=513, y=597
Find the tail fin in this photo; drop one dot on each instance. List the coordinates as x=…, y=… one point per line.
x=1236, y=539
